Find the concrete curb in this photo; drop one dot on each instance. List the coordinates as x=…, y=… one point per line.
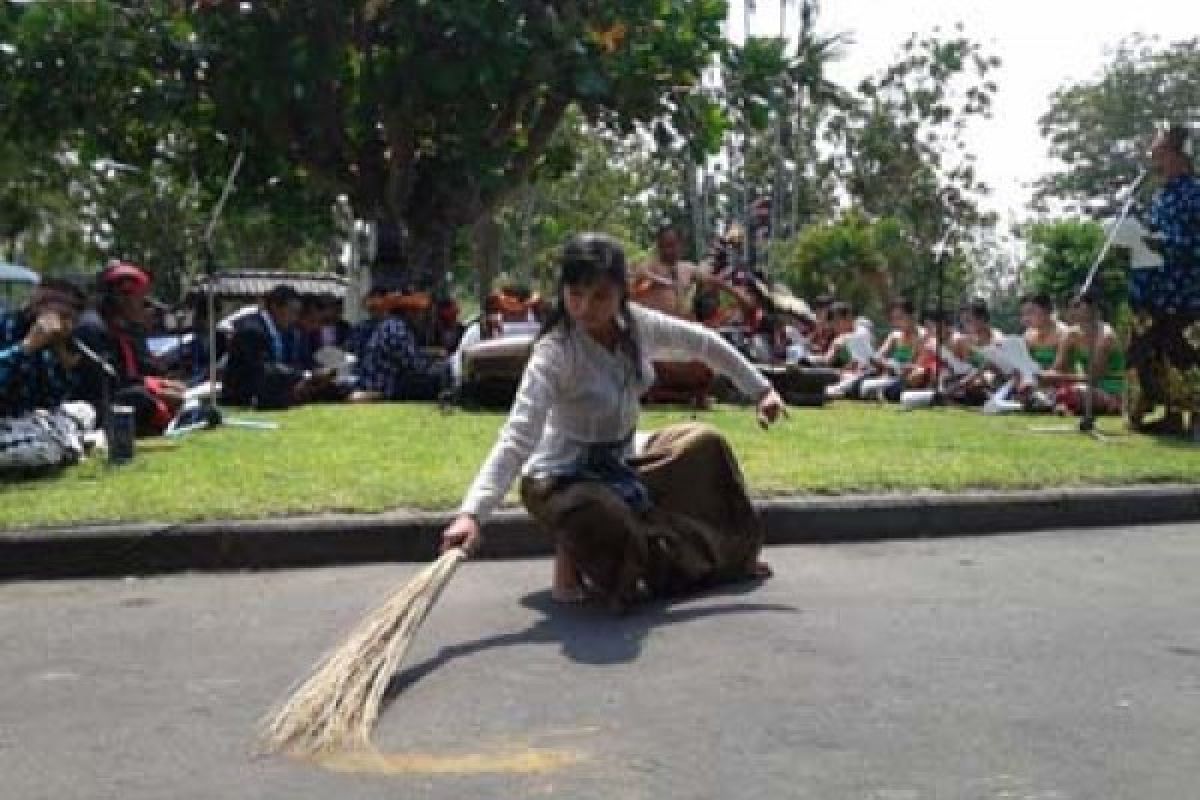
x=144, y=549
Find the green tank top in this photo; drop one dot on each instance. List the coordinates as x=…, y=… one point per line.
x=902, y=354
x=1044, y=355
x=1113, y=379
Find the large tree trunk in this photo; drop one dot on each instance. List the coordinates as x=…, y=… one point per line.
x=418, y=260
x=485, y=244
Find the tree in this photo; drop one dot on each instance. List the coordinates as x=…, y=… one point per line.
x=112, y=150
x=425, y=114
x=1101, y=129
x=903, y=154
x=1062, y=252
x=805, y=177
x=616, y=185
x=430, y=114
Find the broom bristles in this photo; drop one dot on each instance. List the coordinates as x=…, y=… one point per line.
x=336, y=707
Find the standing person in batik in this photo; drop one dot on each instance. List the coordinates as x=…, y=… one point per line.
x=1164, y=347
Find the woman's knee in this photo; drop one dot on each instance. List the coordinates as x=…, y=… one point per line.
x=701, y=436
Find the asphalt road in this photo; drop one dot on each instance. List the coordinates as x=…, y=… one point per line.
x=1052, y=665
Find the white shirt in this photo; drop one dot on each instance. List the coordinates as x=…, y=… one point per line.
x=575, y=393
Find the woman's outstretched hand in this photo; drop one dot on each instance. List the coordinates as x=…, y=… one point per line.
x=770, y=408
x=463, y=532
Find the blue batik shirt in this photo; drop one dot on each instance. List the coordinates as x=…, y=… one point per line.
x=389, y=352
x=1175, y=217
x=28, y=382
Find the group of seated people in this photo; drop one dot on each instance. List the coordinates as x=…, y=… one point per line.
x=67, y=360
x=288, y=352
x=1042, y=369
x=68, y=351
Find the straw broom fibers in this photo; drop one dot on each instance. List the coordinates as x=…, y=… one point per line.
x=336, y=708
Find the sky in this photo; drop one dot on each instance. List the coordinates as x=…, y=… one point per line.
x=1044, y=44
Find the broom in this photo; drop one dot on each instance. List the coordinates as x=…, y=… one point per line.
x=336, y=707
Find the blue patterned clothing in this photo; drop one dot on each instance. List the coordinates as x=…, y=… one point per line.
x=28, y=382
x=1175, y=287
x=360, y=336
x=391, y=363
x=1164, y=341
x=605, y=463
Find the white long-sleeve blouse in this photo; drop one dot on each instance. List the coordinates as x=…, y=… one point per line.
x=575, y=393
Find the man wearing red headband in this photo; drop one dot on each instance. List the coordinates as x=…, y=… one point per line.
x=117, y=333
x=390, y=363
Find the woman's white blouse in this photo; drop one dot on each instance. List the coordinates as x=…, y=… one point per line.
x=575, y=393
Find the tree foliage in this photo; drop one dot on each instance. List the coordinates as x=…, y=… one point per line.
x=1100, y=129
x=117, y=154
x=865, y=262
x=431, y=113
x=424, y=113
x=1062, y=252
x=904, y=153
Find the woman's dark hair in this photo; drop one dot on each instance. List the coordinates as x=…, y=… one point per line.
x=1176, y=137
x=310, y=303
x=934, y=316
x=978, y=308
x=517, y=290
x=69, y=290
x=664, y=228
x=1092, y=299
x=1039, y=299
x=281, y=295
x=588, y=258
x=903, y=304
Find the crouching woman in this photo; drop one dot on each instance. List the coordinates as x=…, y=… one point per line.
x=670, y=518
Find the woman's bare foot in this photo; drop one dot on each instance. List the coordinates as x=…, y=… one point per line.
x=568, y=596
x=760, y=570
x=566, y=587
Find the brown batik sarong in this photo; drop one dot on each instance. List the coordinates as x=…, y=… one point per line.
x=701, y=530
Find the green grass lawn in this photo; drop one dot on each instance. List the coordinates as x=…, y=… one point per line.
x=372, y=458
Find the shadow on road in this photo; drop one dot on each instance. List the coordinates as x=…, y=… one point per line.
x=588, y=635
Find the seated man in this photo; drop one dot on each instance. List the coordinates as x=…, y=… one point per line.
x=848, y=348
x=1090, y=333
x=949, y=362
x=390, y=364
x=334, y=329
x=307, y=331
x=977, y=333
x=837, y=327
x=896, y=358
x=116, y=332
x=665, y=282
x=668, y=284
x=37, y=366
x=1044, y=335
x=827, y=328
x=510, y=312
x=263, y=370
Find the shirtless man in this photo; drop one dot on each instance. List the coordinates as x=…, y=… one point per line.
x=665, y=282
